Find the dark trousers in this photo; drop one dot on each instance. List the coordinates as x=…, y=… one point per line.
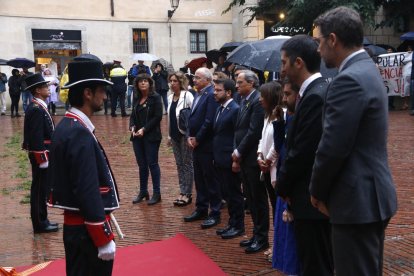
x=206, y=183
x=358, y=248
x=15, y=99
x=115, y=96
x=256, y=194
x=313, y=241
x=146, y=154
x=271, y=193
x=163, y=94
x=81, y=254
x=38, y=196
x=230, y=183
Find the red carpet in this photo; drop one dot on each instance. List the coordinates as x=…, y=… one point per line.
x=175, y=256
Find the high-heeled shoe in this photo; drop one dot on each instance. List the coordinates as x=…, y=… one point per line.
x=185, y=200
x=141, y=196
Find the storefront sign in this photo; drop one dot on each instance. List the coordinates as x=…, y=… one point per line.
x=56, y=35
x=395, y=70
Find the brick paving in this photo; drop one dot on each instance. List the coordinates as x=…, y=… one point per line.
x=142, y=223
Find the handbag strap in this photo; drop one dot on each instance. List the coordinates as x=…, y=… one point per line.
x=185, y=99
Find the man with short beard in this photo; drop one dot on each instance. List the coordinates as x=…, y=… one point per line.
x=80, y=176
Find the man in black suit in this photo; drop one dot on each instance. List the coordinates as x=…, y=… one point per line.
x=224, y=127
x=38, y=129
x=301, y=63
x=248, y=132
x=200, y=139
x=351, y=181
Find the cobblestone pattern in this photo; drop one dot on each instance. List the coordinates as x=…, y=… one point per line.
x=142, y=223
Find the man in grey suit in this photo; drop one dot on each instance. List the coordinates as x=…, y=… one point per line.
x=351, y=180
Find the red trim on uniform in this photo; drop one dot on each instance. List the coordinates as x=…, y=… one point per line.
x=104, y=190
x=100, y=232
x=40, y=156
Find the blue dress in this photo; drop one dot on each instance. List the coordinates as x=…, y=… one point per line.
x=284, y=256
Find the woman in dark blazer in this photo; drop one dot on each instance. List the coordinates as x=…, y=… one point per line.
x=146, y=136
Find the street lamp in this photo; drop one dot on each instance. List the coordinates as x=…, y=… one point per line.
x=174, y=6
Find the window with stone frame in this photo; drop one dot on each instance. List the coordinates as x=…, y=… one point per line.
x=198, y=41
x=140, y=40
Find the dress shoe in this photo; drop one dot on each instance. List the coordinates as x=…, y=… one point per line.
x=256, y=246
x=196, y=215
x=47, y=229
x=221, y=231
x=124, y=115
x=53, y=223
x=245, y=243
x=154, y=199
x=210, y=222
x=3, y=113
x=113, y=115
x=140, y=197
x=232, y=233
x=18, y=115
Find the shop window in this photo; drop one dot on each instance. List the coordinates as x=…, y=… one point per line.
x=140, y=40
x=198, y=41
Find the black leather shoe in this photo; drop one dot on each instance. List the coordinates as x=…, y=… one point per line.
x=223, y=230
x=232, y=233
x=245, y=243
x=53, y=223
x=210, y=222
x=196, y=215
x=256, y=246
x=140, y=197
x=47, y=229
x=154, y=199
x=124, y=115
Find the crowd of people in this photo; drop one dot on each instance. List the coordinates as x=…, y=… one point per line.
x=308, y=154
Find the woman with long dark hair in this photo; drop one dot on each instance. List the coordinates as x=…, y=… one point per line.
x=146, y=136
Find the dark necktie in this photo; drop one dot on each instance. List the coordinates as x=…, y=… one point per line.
x=219, y=112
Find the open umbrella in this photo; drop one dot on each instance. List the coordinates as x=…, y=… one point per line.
x=3, y=62
x=376, y=50
x=167, y=66
x=263, y=55
x=21, y=63
x=407, y=36
x=86, y=57
x=197, y=63
x=213, y=55
x=144, y=56
x=230, y=46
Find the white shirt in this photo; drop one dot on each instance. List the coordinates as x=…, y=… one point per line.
x=266, y=147
x=348, y=58
x=84, y=118
x=308, y=81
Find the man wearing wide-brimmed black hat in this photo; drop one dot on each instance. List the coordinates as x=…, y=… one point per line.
x=38, y=128
x=81, y=179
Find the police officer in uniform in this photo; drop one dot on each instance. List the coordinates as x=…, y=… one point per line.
x=81, y=179
x=38, y=128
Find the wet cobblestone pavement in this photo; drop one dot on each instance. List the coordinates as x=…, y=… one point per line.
x=142, y=223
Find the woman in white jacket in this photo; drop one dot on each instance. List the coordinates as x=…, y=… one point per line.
x=178, y=99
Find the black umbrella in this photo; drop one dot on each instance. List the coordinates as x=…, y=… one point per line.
x=376, y=50
x=366, y=41
x=407, y=36
x=86, y=57
x=263, y=55
x=213, y=55
x=21, y=63
x=3, y=62
x=230, y=46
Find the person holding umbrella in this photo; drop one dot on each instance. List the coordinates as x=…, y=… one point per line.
x=161, y=84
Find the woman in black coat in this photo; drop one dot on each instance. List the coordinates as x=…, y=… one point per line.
x=15, y=91
x=146, y=136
